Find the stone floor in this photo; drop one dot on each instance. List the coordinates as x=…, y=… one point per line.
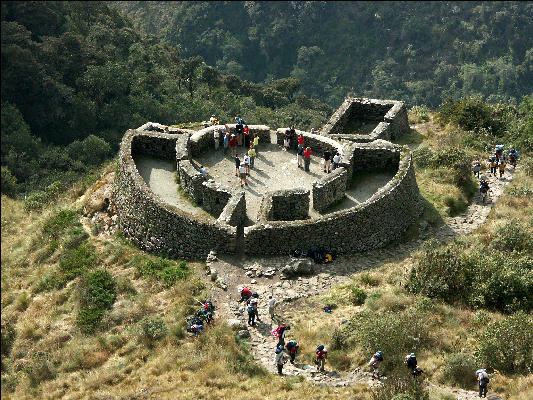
x=274, y=169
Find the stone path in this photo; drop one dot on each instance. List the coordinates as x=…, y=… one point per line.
x=237, y=271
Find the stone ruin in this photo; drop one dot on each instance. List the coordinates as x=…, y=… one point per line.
x=360, y=129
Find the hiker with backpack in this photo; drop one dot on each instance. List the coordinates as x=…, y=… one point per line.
x=484, y=189
x=375, y=361
x=252, y=311
x=476, y=168
x=271, y=307
x=292, y=348
x=501, y=167
x=493, y=165
x=483, y=380
x=280, y=332
x=245, y=294
x=321, y=355
x=255, y=296
x=411, y=363
x=280, y=359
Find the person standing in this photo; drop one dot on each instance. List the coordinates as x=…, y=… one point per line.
x=247, y=162
x=233, y=145
x=216, y=136
x=246, y=137
x=237, y=165
x=300, y=156
x=476, y=168
x=321, y=355
x=252, y=155
x=483, y=381
x=256, y=141
x=292, y=348
x=327, y=161
x=375, y=361
x=242, y=174
x=271, y=307
x=252, y=311
x=282, y=331
x=493, y=165
x=226, y=141
x=280, y=359
x=286, y=139
x=336, y=159
x=307, y=158
x=501, y=167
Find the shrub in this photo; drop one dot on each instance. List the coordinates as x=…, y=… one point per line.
x=400, y=387
x=153, y=328
x=40, y=368
x=369, y=279
x=421, y=112
x=507, y=345
x=8, y=183
x=8, y=338
x=458, y=370
x=511, y=236
x=55, y=225
x=97, y=295
x=163, y=269
x=338, y=339
x=74, y=237
x=357, y=296
x=22, y=302
x=75, y=262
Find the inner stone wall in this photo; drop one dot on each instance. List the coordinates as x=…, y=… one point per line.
x=372, y=224
x=285, y=205
x=158, y=227
x=329, y=189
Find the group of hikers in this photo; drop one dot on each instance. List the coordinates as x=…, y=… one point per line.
x=203, y=316
x=287, y=349
x=244, y=139
x=496, y=162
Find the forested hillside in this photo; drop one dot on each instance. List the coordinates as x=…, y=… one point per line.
x=76, y=75
x=419, y=52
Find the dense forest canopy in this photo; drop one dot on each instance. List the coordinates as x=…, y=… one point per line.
x=76, y=75
x=418, y=52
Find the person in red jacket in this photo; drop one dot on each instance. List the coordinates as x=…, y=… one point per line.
x=233, y=145
x=245, y=294
x=307, y=158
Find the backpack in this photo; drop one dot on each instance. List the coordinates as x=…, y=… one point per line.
x=291, y=343
x=379, y=356
x=280, y=330
x=320, y=347
x=251, y=309
x=411, y=362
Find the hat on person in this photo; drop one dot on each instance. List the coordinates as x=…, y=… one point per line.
x=232, y=135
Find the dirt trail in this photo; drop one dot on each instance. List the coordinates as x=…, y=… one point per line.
x=238, y=271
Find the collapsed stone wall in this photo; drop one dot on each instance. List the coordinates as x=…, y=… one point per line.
x=285, y=205
x=391, y=115
x=372, y=224
x=330, y=189
x=156, y=226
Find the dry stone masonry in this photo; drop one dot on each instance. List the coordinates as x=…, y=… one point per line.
x=284, y=222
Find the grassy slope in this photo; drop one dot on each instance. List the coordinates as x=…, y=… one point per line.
x=119, y=360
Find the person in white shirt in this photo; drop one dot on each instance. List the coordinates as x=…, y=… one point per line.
x=216, y=136
x=242, y=174
x=336, y=160
x=247, y=162
x=202, y=170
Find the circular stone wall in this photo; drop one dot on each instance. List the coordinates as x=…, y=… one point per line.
x=156, y=226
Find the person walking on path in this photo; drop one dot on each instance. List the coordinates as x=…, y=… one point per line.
x=292, y=348
x=327, y=161
x=233, y=145
x=375, y=361
x=226, y=142
x=252, y=155
x=271, y=307
x=256, y=141
x=476, y=168
x=286, y=139
x=252, y=311
x=493, y=165
x=307, y=158
x=484, y=189
x=282, y=331
x=216, y=136
x=280, y=359
x=321, y=356
x=483, y=381
x=243, y=174
x=300, y=156
x=501, y=167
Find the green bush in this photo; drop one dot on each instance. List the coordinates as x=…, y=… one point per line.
x=55, y=225
x=512, y=237
x=421, y=112
x=97, y=294
x=8, y=338
x=8, y=183
x=74, y=237
x=400, y=387
x=163, y=269
x=458, y=370
x=153, y=328
x=357, y=296
x=75, y=262
x=507, y=345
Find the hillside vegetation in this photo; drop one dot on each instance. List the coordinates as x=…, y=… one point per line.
x=418, y=52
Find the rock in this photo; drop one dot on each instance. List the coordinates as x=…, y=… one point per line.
x=244, y=333
x=297, y=267
x=211, y=257
x=253, y=281
x=268, y=274
x=236, y=324
x=249, y=273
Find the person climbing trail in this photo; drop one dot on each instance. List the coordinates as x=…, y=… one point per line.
x=501, y=167
x=252, y=310
x=280, y=333
x=484, y=189
x=255, y=296
x=483, y=381
x=271, y=307
x=321, y=356
x=245, y=294
x=280, y=359
x=375, y=361
x=292, y=347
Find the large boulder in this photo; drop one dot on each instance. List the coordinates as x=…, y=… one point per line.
x=298, y=267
